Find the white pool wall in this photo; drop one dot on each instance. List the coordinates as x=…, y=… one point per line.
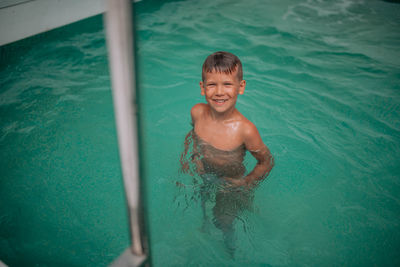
x=21, y=19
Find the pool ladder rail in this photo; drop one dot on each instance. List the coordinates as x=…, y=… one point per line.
x=119, y=33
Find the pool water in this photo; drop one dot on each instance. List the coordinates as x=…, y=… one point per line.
x=323, y=81
x=61, y=192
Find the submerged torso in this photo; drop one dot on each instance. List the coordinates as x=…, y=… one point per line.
x=219, y=162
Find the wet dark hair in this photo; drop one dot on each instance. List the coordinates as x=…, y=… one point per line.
x=222, y=61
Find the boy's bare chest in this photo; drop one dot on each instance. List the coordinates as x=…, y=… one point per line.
x=225, y=136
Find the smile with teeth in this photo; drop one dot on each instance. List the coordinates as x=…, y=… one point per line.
x=220, y=101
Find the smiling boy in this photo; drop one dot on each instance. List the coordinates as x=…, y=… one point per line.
x=219, y=124
x=221, y=135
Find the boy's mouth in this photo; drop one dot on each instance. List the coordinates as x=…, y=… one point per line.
x=220, y=101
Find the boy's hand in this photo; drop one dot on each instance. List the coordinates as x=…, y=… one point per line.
x=237, y=182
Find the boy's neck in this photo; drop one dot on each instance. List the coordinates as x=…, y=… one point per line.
x=229, y=114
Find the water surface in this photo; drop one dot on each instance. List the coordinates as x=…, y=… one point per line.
x=322, y=87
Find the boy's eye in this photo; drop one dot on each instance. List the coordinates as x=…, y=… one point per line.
x=211, y=84
x=227, y=84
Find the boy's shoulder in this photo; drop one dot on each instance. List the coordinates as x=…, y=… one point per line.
x=198, y=109
x=248, y=128
x=250, y=135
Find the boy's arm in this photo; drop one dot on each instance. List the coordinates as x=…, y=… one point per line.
x=260, y=151
x=195, y=112
x=265, y=163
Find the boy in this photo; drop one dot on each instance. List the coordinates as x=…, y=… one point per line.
x=221, y=135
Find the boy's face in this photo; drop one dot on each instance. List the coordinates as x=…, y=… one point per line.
x=221, y=90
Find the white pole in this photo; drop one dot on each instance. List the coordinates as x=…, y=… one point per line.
x=121, y=58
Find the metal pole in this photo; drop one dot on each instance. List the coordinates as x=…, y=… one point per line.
x=121, y=59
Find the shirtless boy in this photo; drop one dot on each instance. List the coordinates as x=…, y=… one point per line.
x=219, y=124
x=221, y=135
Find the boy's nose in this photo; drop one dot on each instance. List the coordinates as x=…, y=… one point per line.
x=219, y=90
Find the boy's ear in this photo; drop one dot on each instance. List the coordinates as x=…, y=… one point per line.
x=242, y=86
x=203, y=91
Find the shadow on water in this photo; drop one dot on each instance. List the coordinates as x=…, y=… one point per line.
x=392, y=1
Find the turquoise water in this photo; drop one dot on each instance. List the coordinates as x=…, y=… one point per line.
x=323, y=81
x=61, y=193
